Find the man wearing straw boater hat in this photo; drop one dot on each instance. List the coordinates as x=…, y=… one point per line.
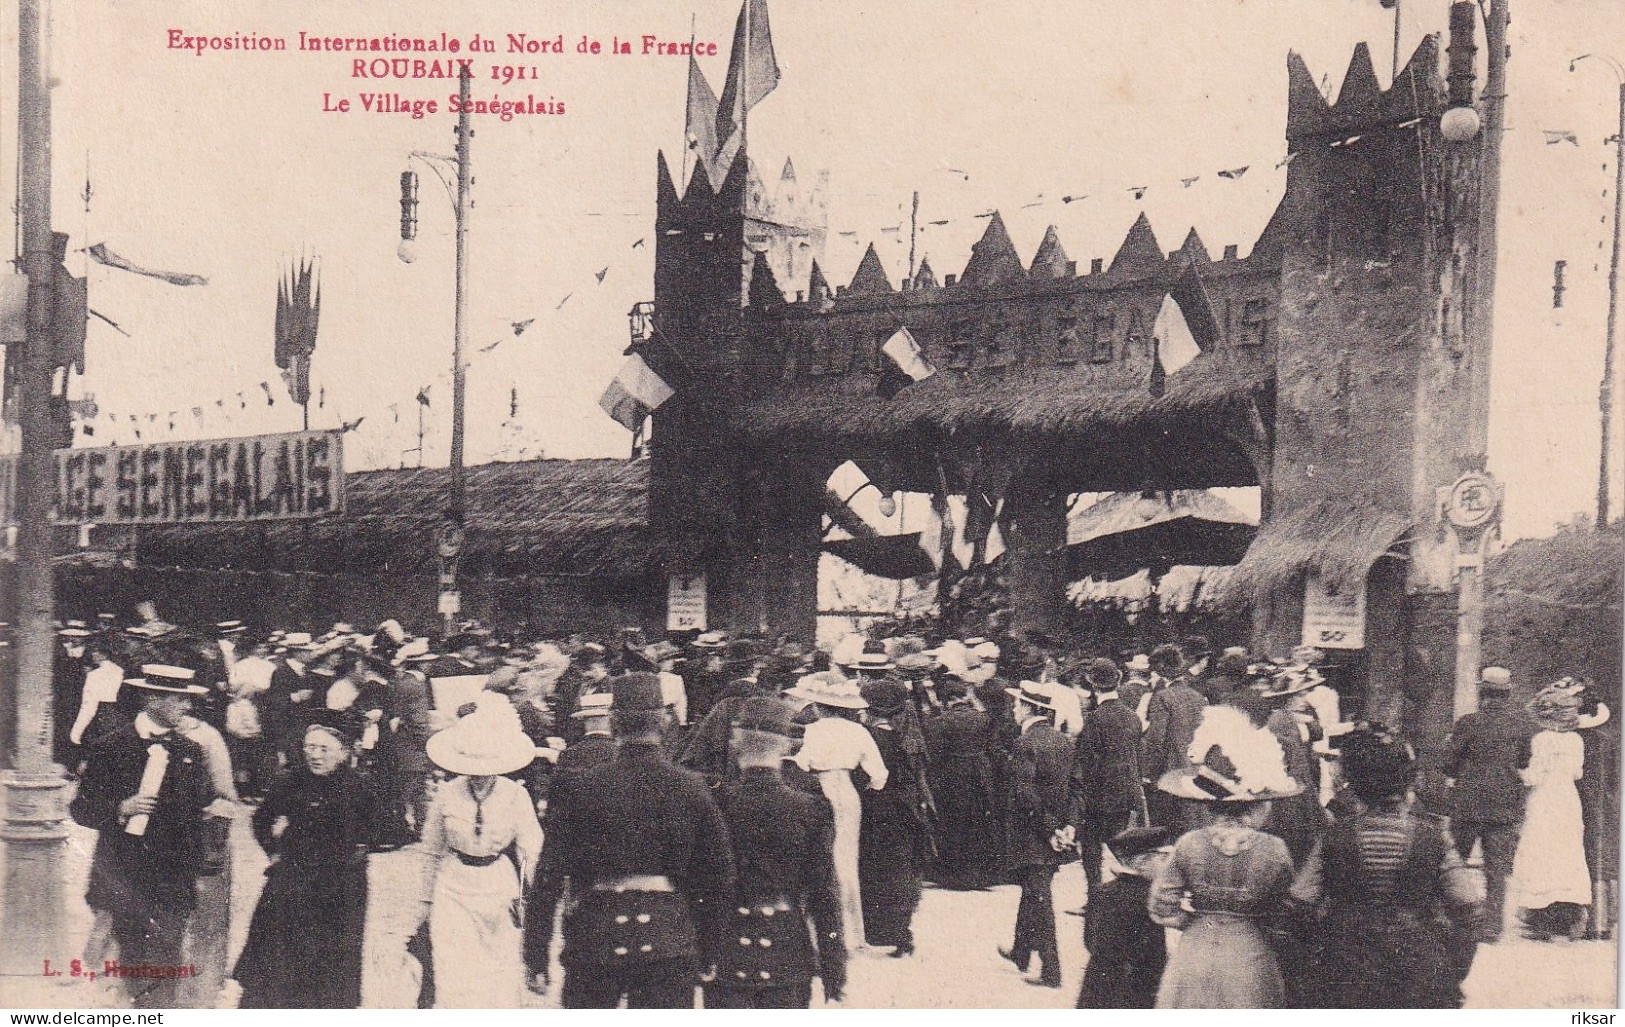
x=144, y=791
x=783, y=924
x=646, y=852
x=1485, y=752
x=1039, y=828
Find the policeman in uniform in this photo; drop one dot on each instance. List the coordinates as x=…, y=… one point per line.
x=596, y=748
x=646, y=853
x=149, y=846
x=784, y=927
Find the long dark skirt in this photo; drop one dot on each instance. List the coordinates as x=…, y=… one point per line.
x=304, y=943
x=888, y=874
x=1381, y=957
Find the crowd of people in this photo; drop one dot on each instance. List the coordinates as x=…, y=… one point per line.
x=742, y=814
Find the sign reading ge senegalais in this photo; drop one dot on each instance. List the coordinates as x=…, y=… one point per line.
x=259, y=478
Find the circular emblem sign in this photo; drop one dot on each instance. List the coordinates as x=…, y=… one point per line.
x=1473, y=501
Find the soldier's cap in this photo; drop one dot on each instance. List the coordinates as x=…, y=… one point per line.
x=767, y=714
x=1495, y=679
x=593, y=704
x=637, y=691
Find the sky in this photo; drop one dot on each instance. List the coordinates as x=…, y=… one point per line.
x=226, y=165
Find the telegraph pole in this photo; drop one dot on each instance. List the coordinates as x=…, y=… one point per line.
x=1605, y=392
x=34, y=832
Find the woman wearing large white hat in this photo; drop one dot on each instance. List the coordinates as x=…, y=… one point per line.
x=1227, y=878
x=481, y=840
x=835, y=745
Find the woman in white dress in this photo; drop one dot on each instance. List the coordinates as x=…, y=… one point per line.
x=832, y=747
x=481, y=840
x=1549, y=873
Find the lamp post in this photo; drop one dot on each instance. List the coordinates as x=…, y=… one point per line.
x=1473, y=502
x=1605, y=392
x=33, y=832
x=451, y=532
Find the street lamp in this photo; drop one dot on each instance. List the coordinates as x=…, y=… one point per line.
x=451, y=532
x=1605, y=392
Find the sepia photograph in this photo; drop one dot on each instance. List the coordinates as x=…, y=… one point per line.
x=757, y=504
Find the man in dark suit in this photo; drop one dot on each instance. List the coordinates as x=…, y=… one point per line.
x=596, y=748
x=1106, y=771
x=783, y=925
x=1171, y=719
x=1486, y=750
x=144, y=790
x=1038, y=827
x=647, y=854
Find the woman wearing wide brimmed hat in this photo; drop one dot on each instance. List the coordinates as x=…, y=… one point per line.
x=1401, y=907
x=1551, y=881
x=1300, y=820
x=481, y=842
x=1225, y=880
x=834, y=746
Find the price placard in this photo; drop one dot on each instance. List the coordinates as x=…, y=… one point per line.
x=1332, y=618
x=685, y=603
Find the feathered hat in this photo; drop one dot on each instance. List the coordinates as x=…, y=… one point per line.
x=1231, y=761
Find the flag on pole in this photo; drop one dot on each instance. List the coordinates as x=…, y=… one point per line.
x=636, y=392
x=905, y=364
x=298, y=310
x=423, y=395
x=753, y=71
x=102, y=255
x=700, y=129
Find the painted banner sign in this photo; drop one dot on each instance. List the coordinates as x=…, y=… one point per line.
x=258, y=478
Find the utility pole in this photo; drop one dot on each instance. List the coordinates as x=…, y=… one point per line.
x=33, y=832
x=1605, y=392
x=450, y=542
x=1493, y=103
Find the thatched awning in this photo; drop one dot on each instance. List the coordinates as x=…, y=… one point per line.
x=1338, y=543
x=529, y=518
x=1039, y=400
x=897, y=557
x=1129, y=531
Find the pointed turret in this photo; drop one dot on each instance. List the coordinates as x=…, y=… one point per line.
x=1271, y=244
x=665, y=190
x=1140, y=250
x=925, y=278
x=1360, y=98
x=870, y=278
x=699, y=185
x=757, y=201
x=994, y=259
x=818, y=288
x=1050, y=260
x=1306, y=110
x=1192, y=250
x=1419, y=90
x=764, y=288
x=789, y=172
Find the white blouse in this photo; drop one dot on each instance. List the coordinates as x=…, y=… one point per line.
x=505, y=817
x=835, y=743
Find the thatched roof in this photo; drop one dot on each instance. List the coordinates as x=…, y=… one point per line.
x=1340, y=543
x=1078, y=399
x=1578, y=566
x=1127, y=531
x=528, y=518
